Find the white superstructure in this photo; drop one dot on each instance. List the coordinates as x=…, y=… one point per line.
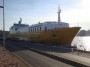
x=47, y=25
x=19, y=28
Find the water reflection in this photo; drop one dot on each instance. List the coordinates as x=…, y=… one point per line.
x=82, y=43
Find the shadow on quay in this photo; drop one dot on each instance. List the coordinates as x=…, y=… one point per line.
x=11, y=46
x=15, y=45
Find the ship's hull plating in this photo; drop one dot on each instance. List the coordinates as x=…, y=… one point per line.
x=61, y=36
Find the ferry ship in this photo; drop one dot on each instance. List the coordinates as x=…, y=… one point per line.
x=46, y=32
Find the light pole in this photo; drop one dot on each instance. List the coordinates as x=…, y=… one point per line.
x=3, y=26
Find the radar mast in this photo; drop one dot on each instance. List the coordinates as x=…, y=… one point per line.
x=59, y=11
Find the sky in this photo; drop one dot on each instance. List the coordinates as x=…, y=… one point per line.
x=74, y=12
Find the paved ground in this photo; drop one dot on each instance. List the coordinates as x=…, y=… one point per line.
x=76, y=58
x=38, y=61
x=8, y=60
x=58, y=51
x=35, y=59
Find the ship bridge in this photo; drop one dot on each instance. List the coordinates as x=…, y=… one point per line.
x=47, y=25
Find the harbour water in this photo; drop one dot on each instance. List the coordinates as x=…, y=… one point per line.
x=82, y=42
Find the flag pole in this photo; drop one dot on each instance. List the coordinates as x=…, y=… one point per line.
x=3, y=28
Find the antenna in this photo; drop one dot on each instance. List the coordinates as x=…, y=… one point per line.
x=59, y=11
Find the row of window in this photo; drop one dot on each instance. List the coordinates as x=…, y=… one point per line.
x=35, y=29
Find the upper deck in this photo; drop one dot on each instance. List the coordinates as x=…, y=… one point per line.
x=19, y=28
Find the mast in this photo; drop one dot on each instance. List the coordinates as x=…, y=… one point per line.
x=3, y=26
x=59, y=11
x=20, y=20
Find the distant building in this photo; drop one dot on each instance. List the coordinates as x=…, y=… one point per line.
x=84, y=33
x=81, y=33
x=87, y=33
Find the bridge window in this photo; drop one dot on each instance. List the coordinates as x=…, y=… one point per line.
x=45, y=28
x=40, y=28
x=35, y=29
x=15, y=29
x=29, y=30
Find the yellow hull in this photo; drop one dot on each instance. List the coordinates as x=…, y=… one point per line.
x=62, y=36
